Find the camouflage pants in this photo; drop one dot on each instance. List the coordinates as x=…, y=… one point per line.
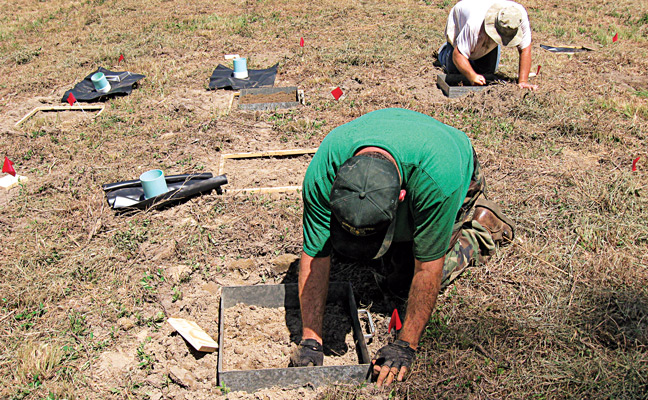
x=470, y=243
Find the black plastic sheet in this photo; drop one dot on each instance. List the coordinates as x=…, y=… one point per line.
x=129, y=195
x=223, y=78
x=121, y=84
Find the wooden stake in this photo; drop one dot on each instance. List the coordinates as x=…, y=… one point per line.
x=229, y=109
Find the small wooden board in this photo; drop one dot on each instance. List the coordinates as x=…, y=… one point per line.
x=9, y=181
x=265, y=190
x=457, y=85
x=194, y=334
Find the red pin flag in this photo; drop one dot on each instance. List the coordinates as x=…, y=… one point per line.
x=8, y=167
x=301, y=42
x=337, y=93
x=71, y=99
x=394, y=322
x=121, y=58
x=615, y=38
x=538, y=72
x=634, y=163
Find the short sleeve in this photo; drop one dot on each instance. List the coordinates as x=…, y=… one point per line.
x=451, y=27
x=434, y=213
x=526, y=30
x=466, y=40
x=317, y=219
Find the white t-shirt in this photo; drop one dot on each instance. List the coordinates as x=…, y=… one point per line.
x=464, y=28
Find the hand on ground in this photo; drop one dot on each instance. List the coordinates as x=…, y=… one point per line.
x=309, y=354
x=392, y=362
x=478, y=80
x=527, y=85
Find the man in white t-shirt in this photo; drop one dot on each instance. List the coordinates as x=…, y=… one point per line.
x=474, y=33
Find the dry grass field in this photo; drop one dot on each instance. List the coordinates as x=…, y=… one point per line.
x=84, y=292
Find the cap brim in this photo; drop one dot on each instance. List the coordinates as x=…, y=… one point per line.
x=361, y=247
x=491, y=31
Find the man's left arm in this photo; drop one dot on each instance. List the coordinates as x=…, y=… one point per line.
x=422, y=299
x=525, y=67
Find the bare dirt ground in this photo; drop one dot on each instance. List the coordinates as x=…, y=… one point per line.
x=261, y=337
x=84, y=292
x=280, y=97
x=266, y=171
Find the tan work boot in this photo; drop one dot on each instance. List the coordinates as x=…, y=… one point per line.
x=490, y=216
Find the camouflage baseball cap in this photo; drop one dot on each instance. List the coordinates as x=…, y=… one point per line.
x=364, y=200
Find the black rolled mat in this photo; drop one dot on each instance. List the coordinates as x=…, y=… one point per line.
x=121, y=84
x=222, y=78
x=129, y=195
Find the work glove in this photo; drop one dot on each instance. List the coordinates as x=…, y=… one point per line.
x=392, y=362
x=309, y=353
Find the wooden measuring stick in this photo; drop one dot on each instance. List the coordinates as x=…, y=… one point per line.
x=60, y=108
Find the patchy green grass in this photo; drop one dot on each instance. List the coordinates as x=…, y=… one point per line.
x=562, y=313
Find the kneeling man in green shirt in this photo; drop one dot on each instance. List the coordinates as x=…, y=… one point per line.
x=397, y=184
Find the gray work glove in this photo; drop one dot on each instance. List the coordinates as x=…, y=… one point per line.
x=309, y=354
x=395, y=355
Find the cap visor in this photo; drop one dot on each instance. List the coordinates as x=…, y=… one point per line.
x=386, y=243
x=358, y=247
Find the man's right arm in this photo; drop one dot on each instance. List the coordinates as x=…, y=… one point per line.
x=525, y=66
x=313, y=287
x=463, y=65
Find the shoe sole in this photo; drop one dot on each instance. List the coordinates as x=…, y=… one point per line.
x=495, y=209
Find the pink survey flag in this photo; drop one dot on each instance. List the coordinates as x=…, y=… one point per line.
x=615, y=38
x=538, y=72
x=337, y=93
x=71, y=99
x=301, y=42
x=121, y=58
x=634, y=163
x=394, y=322
x=7, y=167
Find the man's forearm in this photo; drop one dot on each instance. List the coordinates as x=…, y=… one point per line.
x=422, y=299
x=313, y=289
x=463, y=65
x=525, y=65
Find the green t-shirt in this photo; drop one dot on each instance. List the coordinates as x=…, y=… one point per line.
x=436, y=165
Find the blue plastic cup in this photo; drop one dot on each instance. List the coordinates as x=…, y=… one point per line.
x=100, y=82
x=240, y=68
x=153, y=183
